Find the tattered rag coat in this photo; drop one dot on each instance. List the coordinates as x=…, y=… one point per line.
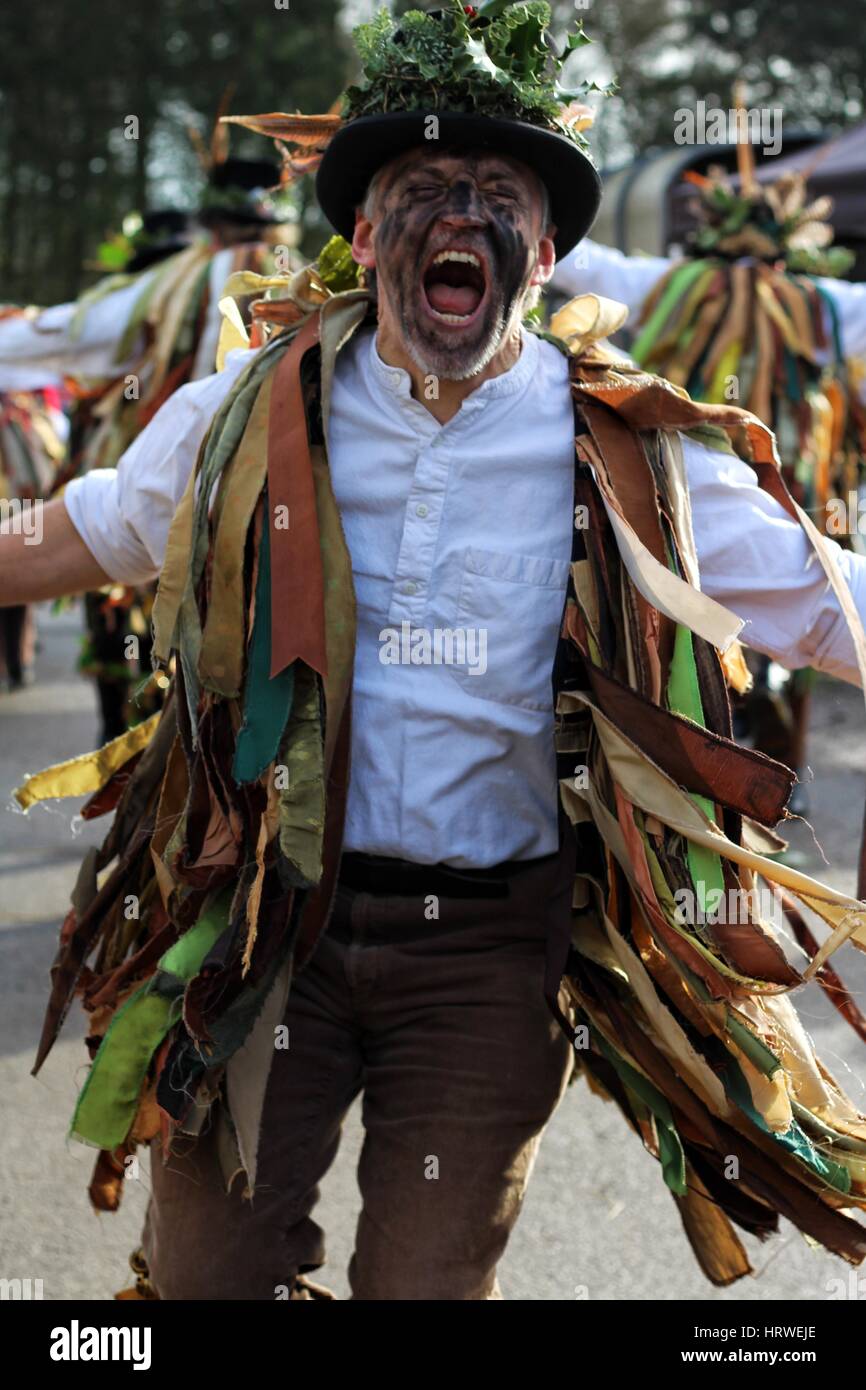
x=228, y=810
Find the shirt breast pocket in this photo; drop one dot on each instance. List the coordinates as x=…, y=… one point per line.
x=508, y=617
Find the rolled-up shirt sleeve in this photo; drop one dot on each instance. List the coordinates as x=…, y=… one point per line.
x=123, y=514
x=758, y=562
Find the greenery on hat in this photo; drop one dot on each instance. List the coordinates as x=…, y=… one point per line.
x=492, y=60
x=336, y=269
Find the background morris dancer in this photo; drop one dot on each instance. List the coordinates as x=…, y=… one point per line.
x=122, y=349
x=752, y=316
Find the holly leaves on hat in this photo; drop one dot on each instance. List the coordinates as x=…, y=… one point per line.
x=492, y=60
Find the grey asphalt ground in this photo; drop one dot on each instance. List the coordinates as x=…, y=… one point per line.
x=597, y=1222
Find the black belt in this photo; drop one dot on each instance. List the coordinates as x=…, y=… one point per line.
x=374, y=873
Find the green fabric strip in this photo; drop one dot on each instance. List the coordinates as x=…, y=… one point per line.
x=755, y=1049
x=110, y=1096
x=187, y=333
x=302, y=802
x=713, y=437
x=792, y=376
x=684, y=697
x=830, y=305
x=671, y=1152
x=748, y=1042
x=267, y=702
x=219, y=449
x=140, y=307
x=680, y=282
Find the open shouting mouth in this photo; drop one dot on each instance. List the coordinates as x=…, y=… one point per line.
x=454, y=286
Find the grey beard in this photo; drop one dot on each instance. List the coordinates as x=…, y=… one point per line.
x=455, y=364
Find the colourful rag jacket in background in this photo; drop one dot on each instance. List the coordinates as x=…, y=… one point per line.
x=32, y=443
x=217, y=874
x=166, y=320
x=752, y=332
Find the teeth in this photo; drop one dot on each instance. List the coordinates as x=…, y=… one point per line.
x=466, y=256
x=453, y=318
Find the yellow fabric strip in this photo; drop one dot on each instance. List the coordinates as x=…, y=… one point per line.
x=787, y=329
x=88, y=772
x=168, y=306
x=665, y=590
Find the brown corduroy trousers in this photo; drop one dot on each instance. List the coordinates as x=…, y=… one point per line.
x=442, y=1024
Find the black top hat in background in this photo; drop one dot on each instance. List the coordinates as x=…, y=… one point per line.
x=163, y=232
x=241, y=191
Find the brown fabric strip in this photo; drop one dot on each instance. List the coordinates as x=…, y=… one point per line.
x=717, y=1248
x=72, y=953
x=297, y=585
x=705, y=326
x=830, y=981
x=735, y=328
x=650, y=403
x=702, y=762
x=106, y=799
x=632, y=483
x=630, y=475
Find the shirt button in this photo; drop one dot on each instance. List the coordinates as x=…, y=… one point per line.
x=410, y=587
x=395, y=378
x=421, y=509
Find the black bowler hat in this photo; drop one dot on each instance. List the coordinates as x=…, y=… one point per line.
x=361, y=147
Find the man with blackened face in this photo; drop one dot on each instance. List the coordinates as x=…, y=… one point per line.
x=400, y=831
x=458, y=241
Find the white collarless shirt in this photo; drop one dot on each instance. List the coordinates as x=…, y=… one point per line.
x=467, y=526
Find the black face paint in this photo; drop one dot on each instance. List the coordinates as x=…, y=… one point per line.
x=423, y=215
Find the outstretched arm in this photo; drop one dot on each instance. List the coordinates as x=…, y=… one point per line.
x=41, y=349
x=49, y=561
x=112, y=524
x=850, y=301
x=758, y=562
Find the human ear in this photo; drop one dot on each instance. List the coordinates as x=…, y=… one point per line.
x=545, y=259
x=362, y=241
